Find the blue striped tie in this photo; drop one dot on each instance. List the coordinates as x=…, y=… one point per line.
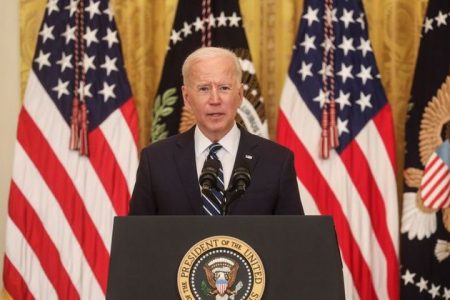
x=209, y=205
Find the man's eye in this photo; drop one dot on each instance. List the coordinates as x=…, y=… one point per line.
x=203, y=89
x=225, y=88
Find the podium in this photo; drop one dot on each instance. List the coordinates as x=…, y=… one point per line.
x=151, y=255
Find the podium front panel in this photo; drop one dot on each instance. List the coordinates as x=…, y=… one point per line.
x=299, y=253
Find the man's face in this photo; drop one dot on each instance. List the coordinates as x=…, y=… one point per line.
x=213, y=94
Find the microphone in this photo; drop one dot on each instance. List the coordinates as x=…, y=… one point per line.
x=208, y=180
x=240, y=179
x=239, y=182
x=208, y=177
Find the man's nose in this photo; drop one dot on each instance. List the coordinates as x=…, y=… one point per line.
x=215, y=96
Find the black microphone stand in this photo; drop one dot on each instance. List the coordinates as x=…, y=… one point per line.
x=230, y=196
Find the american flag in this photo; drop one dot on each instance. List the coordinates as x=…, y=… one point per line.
x=333, y=61
x=62, y=203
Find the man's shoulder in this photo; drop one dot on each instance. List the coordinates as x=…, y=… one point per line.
x=265, y=144
x=164, y=145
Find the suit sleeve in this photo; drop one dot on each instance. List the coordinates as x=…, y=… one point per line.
x=289, y=202
x=141, y=202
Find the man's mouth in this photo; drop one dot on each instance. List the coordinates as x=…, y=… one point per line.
x=215, y=115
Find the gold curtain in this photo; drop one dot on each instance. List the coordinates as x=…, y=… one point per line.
x=271, y=26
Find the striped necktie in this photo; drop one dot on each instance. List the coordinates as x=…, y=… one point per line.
x=210, y=206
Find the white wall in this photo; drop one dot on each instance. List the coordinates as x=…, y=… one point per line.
x=9, y=104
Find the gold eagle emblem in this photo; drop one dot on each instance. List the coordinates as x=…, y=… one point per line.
x=435, y=118
x=221, y=274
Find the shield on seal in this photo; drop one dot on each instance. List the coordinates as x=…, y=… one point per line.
x=221, y=285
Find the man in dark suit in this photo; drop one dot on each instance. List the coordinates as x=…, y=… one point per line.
x=167, y=180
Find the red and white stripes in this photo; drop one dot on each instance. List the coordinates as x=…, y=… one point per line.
x=68, y=200
x=357, y=187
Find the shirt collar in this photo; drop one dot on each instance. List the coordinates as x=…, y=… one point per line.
x=229, y=142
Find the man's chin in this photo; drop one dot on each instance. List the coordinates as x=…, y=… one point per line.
x=216, y=131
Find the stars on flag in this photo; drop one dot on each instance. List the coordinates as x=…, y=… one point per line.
x=90, y=36
x=61, y=88
x=52, y=6
x=211, y=21
x=69, y=34
x=326, y=69
x=322, y=98
x=42, y=59
x=55, y=63
x=365, y=73
x=109, y=65
x=46, y=33
x=234, y=20
x=305, y=71
x=308, y=43
x=347, y=18
x=110, y=37
x=93, y=9
x=345, y=72
x=355, y=77
x=422, y=284
x=364, y=47
x=85, y=90
x=342, y=126
x=364, y=101
x=328, y=43
x=441, y=20
x=64, y=62
x=408, y=277
x=222, y=20
x=186, y=29
x=446, y=294
x=360, y=20
x=198, y=24
x=107, y=91
x=72, y=7
x=343, y=99
x=428, y=24
x=425, y=286
x=175, y=37
x=434, y=290
x=311, y=15
x=88, y=63
x=109, y=13
x=347, y=45
x=331, y=16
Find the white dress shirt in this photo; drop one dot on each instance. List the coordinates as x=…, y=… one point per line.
x=226, y=155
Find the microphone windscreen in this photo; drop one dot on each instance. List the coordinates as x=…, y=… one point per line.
x=209, y=174
x=241, y=174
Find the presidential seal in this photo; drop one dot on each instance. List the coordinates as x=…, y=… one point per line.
x=221, y=268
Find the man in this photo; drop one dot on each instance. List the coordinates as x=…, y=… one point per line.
x=168, y=175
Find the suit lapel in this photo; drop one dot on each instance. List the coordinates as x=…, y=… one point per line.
x=247, y=150
x=187, y=169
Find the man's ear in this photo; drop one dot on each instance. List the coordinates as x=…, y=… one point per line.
x=241, y=93
x=186, y=99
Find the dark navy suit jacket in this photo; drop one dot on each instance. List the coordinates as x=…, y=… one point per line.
x=167, y=181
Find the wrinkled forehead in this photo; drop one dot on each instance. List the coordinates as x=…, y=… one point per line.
x=213, y=77
x=214, y=70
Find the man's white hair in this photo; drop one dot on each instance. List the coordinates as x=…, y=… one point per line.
x=209, y=52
